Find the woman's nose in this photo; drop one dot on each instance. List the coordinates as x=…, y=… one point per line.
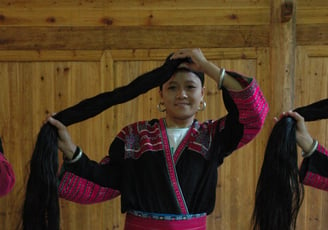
x=182, y=94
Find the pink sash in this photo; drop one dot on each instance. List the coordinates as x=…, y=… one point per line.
x=133, y=222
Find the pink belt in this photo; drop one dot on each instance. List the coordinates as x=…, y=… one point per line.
x=135, y=222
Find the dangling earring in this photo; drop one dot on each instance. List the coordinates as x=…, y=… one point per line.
x=160, y=108
x=202, y=106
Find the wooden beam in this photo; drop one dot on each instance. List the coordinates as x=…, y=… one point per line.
x=136, y=4
x=282, y=50
x=97, y=38
x=70, y=16
x=315, y=34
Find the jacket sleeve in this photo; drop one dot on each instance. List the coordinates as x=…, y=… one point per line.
x=247, y=110
x=106, y=174
x=74, y=188
x=314, y=169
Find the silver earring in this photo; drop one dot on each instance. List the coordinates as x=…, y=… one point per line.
x=160, y=108
x=202, y=106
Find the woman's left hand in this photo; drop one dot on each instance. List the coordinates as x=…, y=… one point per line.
x=65, y=143
x=303, y=137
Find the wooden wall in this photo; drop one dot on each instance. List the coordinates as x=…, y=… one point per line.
x=55, y=53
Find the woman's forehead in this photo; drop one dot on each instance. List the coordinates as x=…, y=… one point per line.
x=184, y=76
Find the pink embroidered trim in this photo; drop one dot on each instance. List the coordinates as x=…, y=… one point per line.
x=322, y=150
x=82, y=191
x=253, y=110
x=181, y=146
x=171, y=170
x=316, y=181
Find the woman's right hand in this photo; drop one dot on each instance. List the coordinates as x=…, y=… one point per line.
x=197, y=57
x=65, y=143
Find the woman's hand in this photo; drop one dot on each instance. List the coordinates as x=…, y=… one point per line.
x=197, y=57
x=303, y=137
x=65, y=143
x=201, y=64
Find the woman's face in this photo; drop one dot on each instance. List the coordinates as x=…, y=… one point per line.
x=182, y=95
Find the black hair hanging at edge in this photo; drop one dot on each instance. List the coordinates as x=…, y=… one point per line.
x=279, y=192
x=41, y=205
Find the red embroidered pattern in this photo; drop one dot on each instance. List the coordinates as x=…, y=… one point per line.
x=82, y=191
x=315, y=180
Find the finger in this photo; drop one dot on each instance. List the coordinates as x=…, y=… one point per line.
x=178, y=55
x=290, y=113
x=283, y=114
x=297, y=116
x=182, y=53
x=56, y=123
x=184, y=64
x=47, y=117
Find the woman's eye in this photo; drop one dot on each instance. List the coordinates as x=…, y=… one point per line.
x=171, y=87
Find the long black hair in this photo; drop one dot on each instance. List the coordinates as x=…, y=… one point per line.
x=41, y=205
x=279, y=192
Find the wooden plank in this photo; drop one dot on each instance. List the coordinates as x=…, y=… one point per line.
x=314, y=15
x=312, y=74
x=312, y=34
x=121, y=54
x=50, y=55
x=92, y=38
x=161, y=54
x=282, y=58
x=85, y=17
x=313, y=51
x=136, y=4
x=311, y=3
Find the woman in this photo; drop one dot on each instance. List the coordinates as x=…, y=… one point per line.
x=7, y=177
x=166, y=169
x=314, y=167
x=280, y=190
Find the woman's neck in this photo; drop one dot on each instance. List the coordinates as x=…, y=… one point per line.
x=176, y=123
